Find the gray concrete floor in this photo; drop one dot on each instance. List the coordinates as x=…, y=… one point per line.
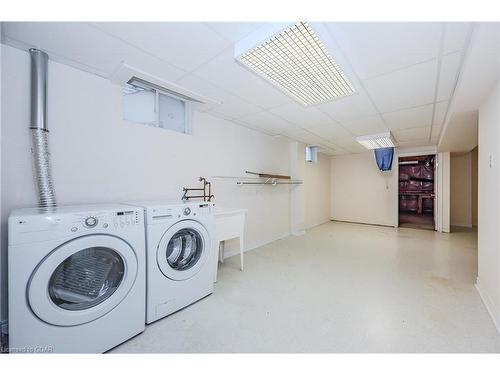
x=339, y=288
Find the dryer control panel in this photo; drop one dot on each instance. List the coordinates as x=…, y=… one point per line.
x=190, y=210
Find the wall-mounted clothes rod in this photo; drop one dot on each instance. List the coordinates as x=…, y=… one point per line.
x=269, y=183
x=269, y=175
x=241, y=180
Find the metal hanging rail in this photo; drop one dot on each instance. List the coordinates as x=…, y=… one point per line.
x=269, y=183
x=263, y=179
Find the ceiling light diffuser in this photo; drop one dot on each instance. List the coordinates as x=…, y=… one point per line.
x=296, y=61
x=373, y=141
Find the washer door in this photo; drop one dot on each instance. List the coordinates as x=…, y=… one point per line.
x=82, y=280
x=183, y=249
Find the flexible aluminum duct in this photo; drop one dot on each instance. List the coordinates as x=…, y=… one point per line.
x=39, y=131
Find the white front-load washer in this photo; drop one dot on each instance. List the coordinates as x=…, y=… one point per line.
x=76, y=278
x=180, y=240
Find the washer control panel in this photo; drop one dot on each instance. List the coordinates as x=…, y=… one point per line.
x=187, y=211
x=124, y=219
x=29, y=225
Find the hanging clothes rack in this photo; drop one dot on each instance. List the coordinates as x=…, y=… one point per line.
x=262, y=179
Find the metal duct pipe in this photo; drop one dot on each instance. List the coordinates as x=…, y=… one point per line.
x=39, y=129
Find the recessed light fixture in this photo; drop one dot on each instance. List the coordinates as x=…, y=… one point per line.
x=296, y=61
x=373, y=141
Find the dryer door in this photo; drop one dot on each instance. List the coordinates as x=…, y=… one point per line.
x=82, y=280
x=183, y=249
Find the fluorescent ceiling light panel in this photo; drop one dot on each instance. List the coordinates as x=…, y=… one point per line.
x=381, y=140
x=296, y=61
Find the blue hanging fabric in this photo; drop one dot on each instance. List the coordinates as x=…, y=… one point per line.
x=384, y=156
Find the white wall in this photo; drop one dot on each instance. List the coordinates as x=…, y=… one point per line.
x=461, y=189
x=360, y=192
x=488, y=281
x=98, y=157
x=317, y=191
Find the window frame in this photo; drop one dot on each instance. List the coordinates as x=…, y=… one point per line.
x=157, y=92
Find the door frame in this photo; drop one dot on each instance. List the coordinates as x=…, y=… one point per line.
x=438, y=165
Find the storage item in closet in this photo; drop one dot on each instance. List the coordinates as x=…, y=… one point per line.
x=180, y=247
x=76, y=278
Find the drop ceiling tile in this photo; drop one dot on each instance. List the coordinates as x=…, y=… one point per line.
x=231, y=106
x=414, y=134
x=456, y=34
x=435, y=133
x=417, y=143
x=234, y=31
x=183, y=44
x=450, y=65
x=266, y=121
x=226, y=73
x=375, y=48
x=440, y=113
x=330, y=132
x=302, y=135
x=409, y=118
x=351, y=145
x=405, y=88
x=84, y=47
x=365, y=125
x=302, y=116
x=349, y=107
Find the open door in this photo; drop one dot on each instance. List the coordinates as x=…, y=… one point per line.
x=417, y=191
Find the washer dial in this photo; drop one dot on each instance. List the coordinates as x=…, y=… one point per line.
x=90, y=221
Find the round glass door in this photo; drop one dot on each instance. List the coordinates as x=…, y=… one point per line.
x=82, y=280
x=183, y=249
x=86, y=278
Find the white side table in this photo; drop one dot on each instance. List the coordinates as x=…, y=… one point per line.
x=229, y=224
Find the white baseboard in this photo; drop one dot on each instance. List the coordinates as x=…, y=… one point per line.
x=488, y=303
x=464, y=225
x=317, y=224
x=234, y=252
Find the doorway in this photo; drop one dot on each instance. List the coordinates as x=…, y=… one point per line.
x=417, y=191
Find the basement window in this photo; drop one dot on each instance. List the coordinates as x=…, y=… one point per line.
x=150, y=106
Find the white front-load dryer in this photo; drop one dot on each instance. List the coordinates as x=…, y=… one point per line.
x=180, y=246
x=76, y=278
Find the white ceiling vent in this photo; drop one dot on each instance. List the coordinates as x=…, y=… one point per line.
x=125, y=74
x=373, y=141
x=296, y=61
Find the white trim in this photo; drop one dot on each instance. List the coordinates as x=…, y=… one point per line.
x=318, y=224
x=464, y=225
x=124, y=73
x=363, y=223
x=488, y=303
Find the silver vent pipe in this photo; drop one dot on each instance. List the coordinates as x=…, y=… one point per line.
x=39, y=130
